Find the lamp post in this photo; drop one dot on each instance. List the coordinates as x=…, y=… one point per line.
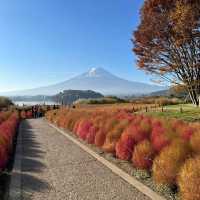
x=62, y=101
x=44, y=100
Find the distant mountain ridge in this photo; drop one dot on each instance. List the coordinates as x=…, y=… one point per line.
x=96, y=79
x=69, y=96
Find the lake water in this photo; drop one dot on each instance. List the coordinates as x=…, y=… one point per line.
x=31, y=103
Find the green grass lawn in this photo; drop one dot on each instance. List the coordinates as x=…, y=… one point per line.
x=189, y=112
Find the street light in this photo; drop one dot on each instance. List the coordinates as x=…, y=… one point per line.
x=44, y=100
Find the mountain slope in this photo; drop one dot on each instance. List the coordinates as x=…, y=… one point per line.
x=96, y=79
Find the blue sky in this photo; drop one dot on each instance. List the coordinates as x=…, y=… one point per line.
x=47, y=41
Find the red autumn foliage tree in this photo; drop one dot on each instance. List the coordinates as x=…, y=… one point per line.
x=167, y=42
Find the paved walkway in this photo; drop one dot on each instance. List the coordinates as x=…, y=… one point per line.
x=53, y=168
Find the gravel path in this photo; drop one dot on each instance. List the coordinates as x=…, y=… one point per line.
x=54, y=168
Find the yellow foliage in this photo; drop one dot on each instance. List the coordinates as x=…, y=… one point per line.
x=189, y=179
x=195, y=142
x=167, y=164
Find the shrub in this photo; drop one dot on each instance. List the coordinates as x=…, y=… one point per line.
x=91, y=134
x=137, y=132
x=113, y=136
x=100, y=137
x=62, y=122
x=186, y=133
x=75, y=128
x=7, y=132
x=83, y=129
x=137, y=119
x=146, y=125
x=160, y=142
x=125, y=146
x=123, y=115
x=159, y=138
x=183, y=129
x=195, y=142
x=143, y=155
x=167, y=164
x=189, y=179
x=110, y=124
x=3, y=157
x=105, y=126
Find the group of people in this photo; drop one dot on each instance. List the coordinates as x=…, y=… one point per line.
x=37, y=111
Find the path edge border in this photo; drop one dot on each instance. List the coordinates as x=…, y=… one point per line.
x=14, y=190
x=125, y=176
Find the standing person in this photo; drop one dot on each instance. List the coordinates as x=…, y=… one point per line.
x=39, y=111
x=32, y=110
x=35, y=111
x=37, y=107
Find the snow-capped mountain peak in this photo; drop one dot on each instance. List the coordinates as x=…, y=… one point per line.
x=93, y=72
x=96, y=72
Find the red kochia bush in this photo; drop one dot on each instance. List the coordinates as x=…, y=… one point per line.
x=136, y=132
x=183, y=129
x=83, y=129
x=114, y=136
x=104, y=128
x=124, y=147
x=186, y=133
x=3, y=157
x=100, y=137
x=91, y=134
x=159, y=138
x=195, y=142
x=123, y=115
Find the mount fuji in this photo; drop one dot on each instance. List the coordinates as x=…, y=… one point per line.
x=96, y=79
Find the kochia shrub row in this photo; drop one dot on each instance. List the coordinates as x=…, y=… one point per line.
x=7, y=132
x=163, y=147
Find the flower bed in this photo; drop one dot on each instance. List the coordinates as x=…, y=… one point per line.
x=165, y=148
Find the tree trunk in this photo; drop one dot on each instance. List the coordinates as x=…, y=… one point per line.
x=194, y=97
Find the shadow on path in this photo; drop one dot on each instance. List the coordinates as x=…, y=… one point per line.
x=31, y=162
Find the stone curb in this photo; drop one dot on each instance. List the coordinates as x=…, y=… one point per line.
x=14, y=192
x=125, y=176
